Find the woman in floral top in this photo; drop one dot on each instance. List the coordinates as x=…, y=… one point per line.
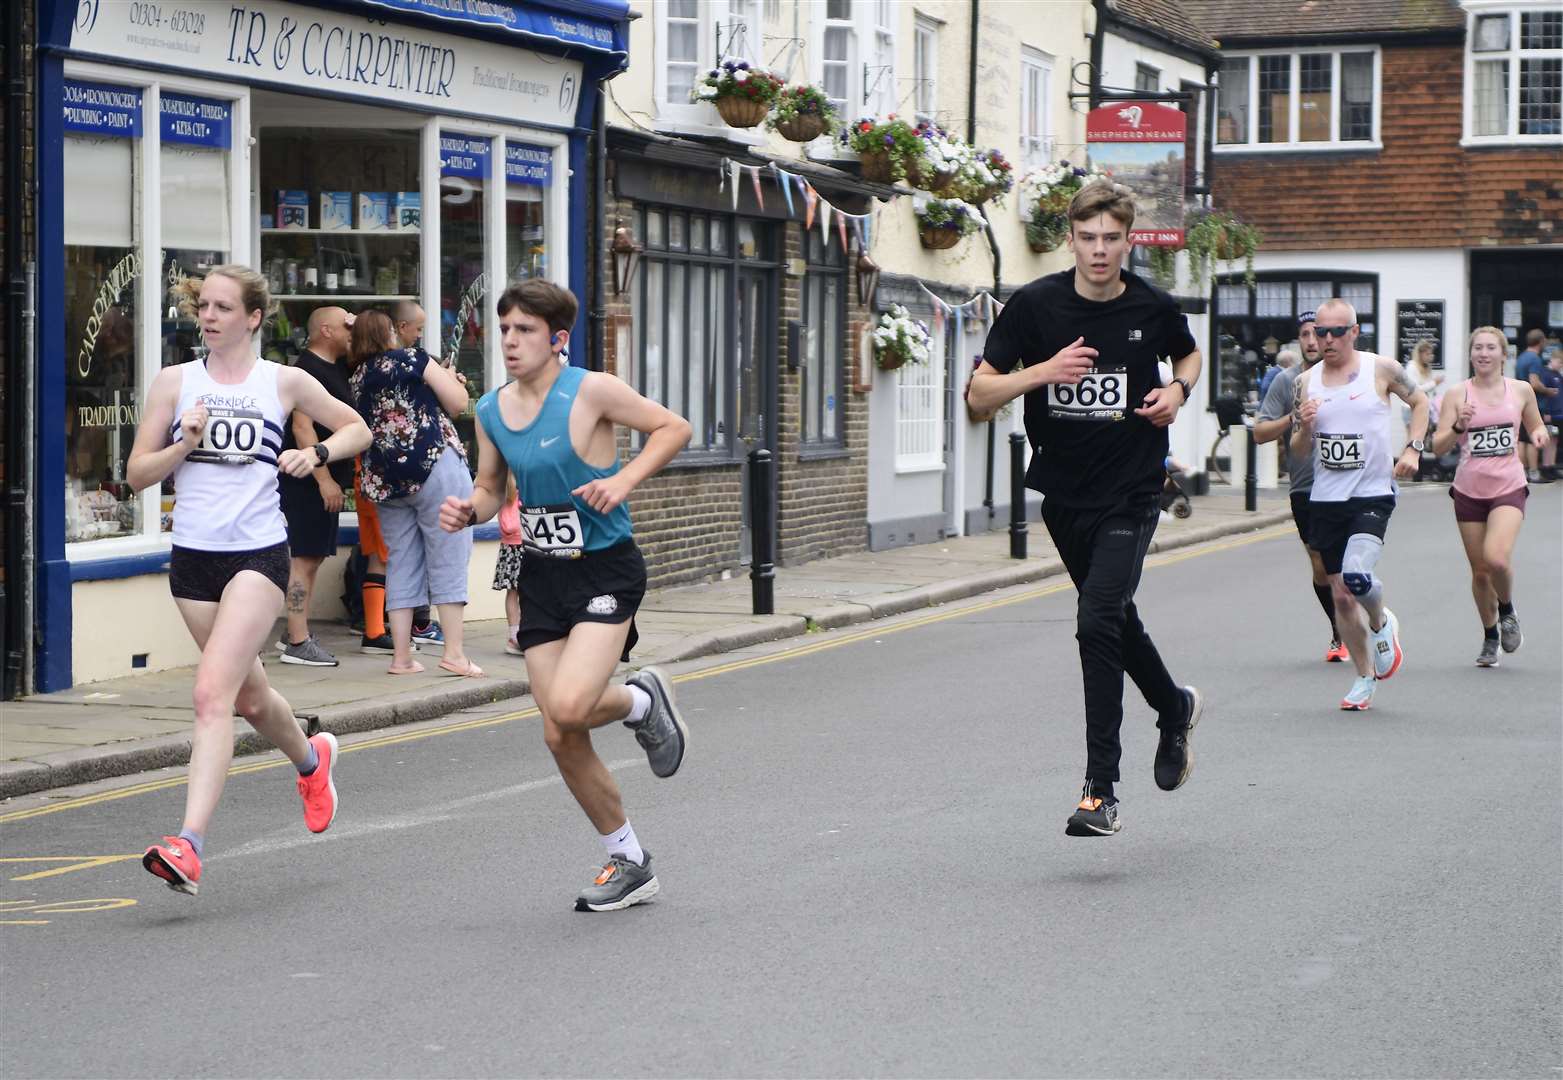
x=415, y=461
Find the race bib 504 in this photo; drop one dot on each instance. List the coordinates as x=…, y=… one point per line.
x=552, y=530
x=232, y=437
x=1494, y=440
x=1099, y=395
x=1340, y=451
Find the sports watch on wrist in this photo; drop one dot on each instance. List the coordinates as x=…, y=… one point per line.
x=1415, y=444
x=1188, y=391
x=322, y=455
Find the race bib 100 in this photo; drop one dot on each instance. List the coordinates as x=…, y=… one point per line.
x=1340, y=451
x=1494, y=440
x=552, y=530
x=1099, y=395
x=232, y=437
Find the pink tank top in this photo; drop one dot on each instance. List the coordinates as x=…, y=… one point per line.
x=1489, y=450
x=510, y=523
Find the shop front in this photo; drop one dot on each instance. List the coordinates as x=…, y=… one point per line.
x=388, y=154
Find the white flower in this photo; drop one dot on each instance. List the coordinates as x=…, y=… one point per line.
x=740, y=75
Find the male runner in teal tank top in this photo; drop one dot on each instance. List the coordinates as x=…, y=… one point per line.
x=582, y=577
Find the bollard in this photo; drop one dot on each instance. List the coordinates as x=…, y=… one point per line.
x=1251, y=473
x=1017, y=495
x=762, y=559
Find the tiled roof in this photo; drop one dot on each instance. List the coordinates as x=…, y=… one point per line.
x=1229, y=20
x=1166, y=18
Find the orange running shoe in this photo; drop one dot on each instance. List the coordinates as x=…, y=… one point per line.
x=318, y=789
x=176, y=862
x=1336, y=653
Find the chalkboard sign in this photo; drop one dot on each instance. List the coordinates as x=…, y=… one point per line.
x=1420, y=320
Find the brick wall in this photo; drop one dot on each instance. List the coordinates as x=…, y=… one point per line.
x=1422, y=190
x=688, y=521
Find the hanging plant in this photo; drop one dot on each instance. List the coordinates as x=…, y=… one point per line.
x=900, y=339
x=889, y=148
x=942, y=156
x=981, y=175
x=742, y=94
x=1215, y=234
x=1048, y=189
x=1164, y=265
x=1047, y=231
x=943, y=223
x=802, y=113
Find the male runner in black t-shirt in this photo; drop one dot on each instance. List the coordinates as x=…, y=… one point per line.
x=1087, y=343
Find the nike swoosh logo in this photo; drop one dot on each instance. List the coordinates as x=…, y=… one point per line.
x=564, y=395
x=1354, y=397
x=548, y=442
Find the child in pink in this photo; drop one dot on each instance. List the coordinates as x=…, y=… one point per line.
x=507, y=568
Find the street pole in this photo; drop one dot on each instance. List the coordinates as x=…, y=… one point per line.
x=1017, y=495
x=762, y=560
x=1251, y=473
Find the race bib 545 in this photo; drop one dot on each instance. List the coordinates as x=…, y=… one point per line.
x=552, y=530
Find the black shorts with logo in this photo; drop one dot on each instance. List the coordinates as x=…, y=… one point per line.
x=1334, y=523
x=603, y=586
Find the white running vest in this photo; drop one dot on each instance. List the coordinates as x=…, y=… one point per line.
x=225, y=492
x=1351, y=455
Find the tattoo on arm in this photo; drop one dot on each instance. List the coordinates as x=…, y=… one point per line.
x=1401, y=383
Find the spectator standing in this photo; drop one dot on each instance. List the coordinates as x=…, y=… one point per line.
x=415, y=461
x=1286, y=358
x=313, y=505
x=408, y=319
x=507, y=568
x=1527, y=369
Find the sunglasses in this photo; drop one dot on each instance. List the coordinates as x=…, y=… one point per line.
x=1332, y=331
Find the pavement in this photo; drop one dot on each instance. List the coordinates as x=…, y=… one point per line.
x=121, y=726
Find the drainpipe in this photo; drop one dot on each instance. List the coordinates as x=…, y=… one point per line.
x=1098, y=33
x=987, y=228
x=596, y=356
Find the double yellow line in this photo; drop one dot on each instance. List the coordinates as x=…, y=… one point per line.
x=833, y=642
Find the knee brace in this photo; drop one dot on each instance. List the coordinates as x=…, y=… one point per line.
x=1362, y=553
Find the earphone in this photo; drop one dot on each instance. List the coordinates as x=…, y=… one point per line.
x=554, y=340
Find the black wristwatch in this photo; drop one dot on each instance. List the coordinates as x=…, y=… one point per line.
x=322, y=455
x=1188, y=391
x=1415, y=444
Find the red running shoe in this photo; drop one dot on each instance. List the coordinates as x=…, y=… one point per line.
x=176, y=862
x=1336, y=653
x=318, y=790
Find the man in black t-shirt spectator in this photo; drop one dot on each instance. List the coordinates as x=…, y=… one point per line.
x=313, y=506
x=1083, y=347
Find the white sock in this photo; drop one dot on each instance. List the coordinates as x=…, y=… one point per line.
x=640, y=704
x=623, y=842
x=515, y=628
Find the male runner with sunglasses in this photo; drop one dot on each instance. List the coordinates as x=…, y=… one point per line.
x=1343, y=421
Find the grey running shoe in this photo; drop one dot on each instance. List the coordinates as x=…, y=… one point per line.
x=662, y=733
x=1360, y=697
x=1489, y=654
x=621, y=884
x=1174, y=755
x=1385, y=646
x=308, y=652
x=1509, y=632
x=1095, y=816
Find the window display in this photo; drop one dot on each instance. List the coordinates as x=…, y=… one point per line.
x=464, y=291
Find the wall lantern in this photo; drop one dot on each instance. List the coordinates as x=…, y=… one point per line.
x=867, y=279
x=626, y=256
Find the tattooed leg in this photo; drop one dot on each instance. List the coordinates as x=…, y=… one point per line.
x=301, y=585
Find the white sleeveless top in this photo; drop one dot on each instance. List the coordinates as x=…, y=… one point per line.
x=1351, y=454
x=225, y=492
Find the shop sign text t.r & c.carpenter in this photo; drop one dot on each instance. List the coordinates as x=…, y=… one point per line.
x=291, y=45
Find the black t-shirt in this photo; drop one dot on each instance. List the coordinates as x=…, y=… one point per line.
x=334, y=378
x=1091, y=450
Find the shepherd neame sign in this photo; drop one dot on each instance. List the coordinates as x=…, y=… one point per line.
x=297, y=46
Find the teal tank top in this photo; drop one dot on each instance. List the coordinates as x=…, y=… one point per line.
x=547, y=470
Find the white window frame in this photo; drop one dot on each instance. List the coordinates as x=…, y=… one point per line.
x=1475, y=10
x=148, y=246
x=1251, y=145
x=925, y=67
x=873, y=47
x=1142, y=68
x=882, y=16
x=919, y=408
x=1036, y=149
x=695, y=116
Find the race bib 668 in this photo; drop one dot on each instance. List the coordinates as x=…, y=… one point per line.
x=1099, y=395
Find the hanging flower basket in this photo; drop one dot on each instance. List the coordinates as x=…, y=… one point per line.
x=922, y=174
x=801, y=128
x=888, y=148
x=877, y=167
x=889, y=359
x=1047, y=231
x=900, y=339
x=937, y=239
x=742, y=112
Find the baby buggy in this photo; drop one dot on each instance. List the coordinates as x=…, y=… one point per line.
x=1173, y=497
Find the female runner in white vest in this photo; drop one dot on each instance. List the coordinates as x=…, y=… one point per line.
x=215, y=425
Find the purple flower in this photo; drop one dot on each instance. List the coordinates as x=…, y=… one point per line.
x=743, y=65
x=889, y=141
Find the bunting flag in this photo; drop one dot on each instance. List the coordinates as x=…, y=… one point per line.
x=754, y=177
x=938, y=317
x=868, y=236
x=841, y=231
x=784, y=181
x=733, y=171
x=857, y=231
x=824, y=220
x=810, y=203
x=960, y=327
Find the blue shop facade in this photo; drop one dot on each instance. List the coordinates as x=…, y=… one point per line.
x=357, y=154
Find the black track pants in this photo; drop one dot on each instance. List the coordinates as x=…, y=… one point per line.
x=1104, y=548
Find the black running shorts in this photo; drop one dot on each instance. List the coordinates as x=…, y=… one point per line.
x=604, y=586
x=312, y=529
x=1334, y=523
x=1301, y=514
x=203, y=575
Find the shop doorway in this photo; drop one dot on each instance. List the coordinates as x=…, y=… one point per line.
x=755, y=365
x=1518, y=291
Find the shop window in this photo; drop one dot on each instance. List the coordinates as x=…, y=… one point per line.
x=1310, y=99
x=104, y=383
x=1253, y=325
x=820, y=382
x=464, y=291
x=919, y=412
x=341, y=224
x=528, y=176
x=1514, y=74
x=682, y=300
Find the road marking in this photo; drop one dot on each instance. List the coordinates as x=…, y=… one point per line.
x=76, y=862
x=58, y=907
x=946, y=613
